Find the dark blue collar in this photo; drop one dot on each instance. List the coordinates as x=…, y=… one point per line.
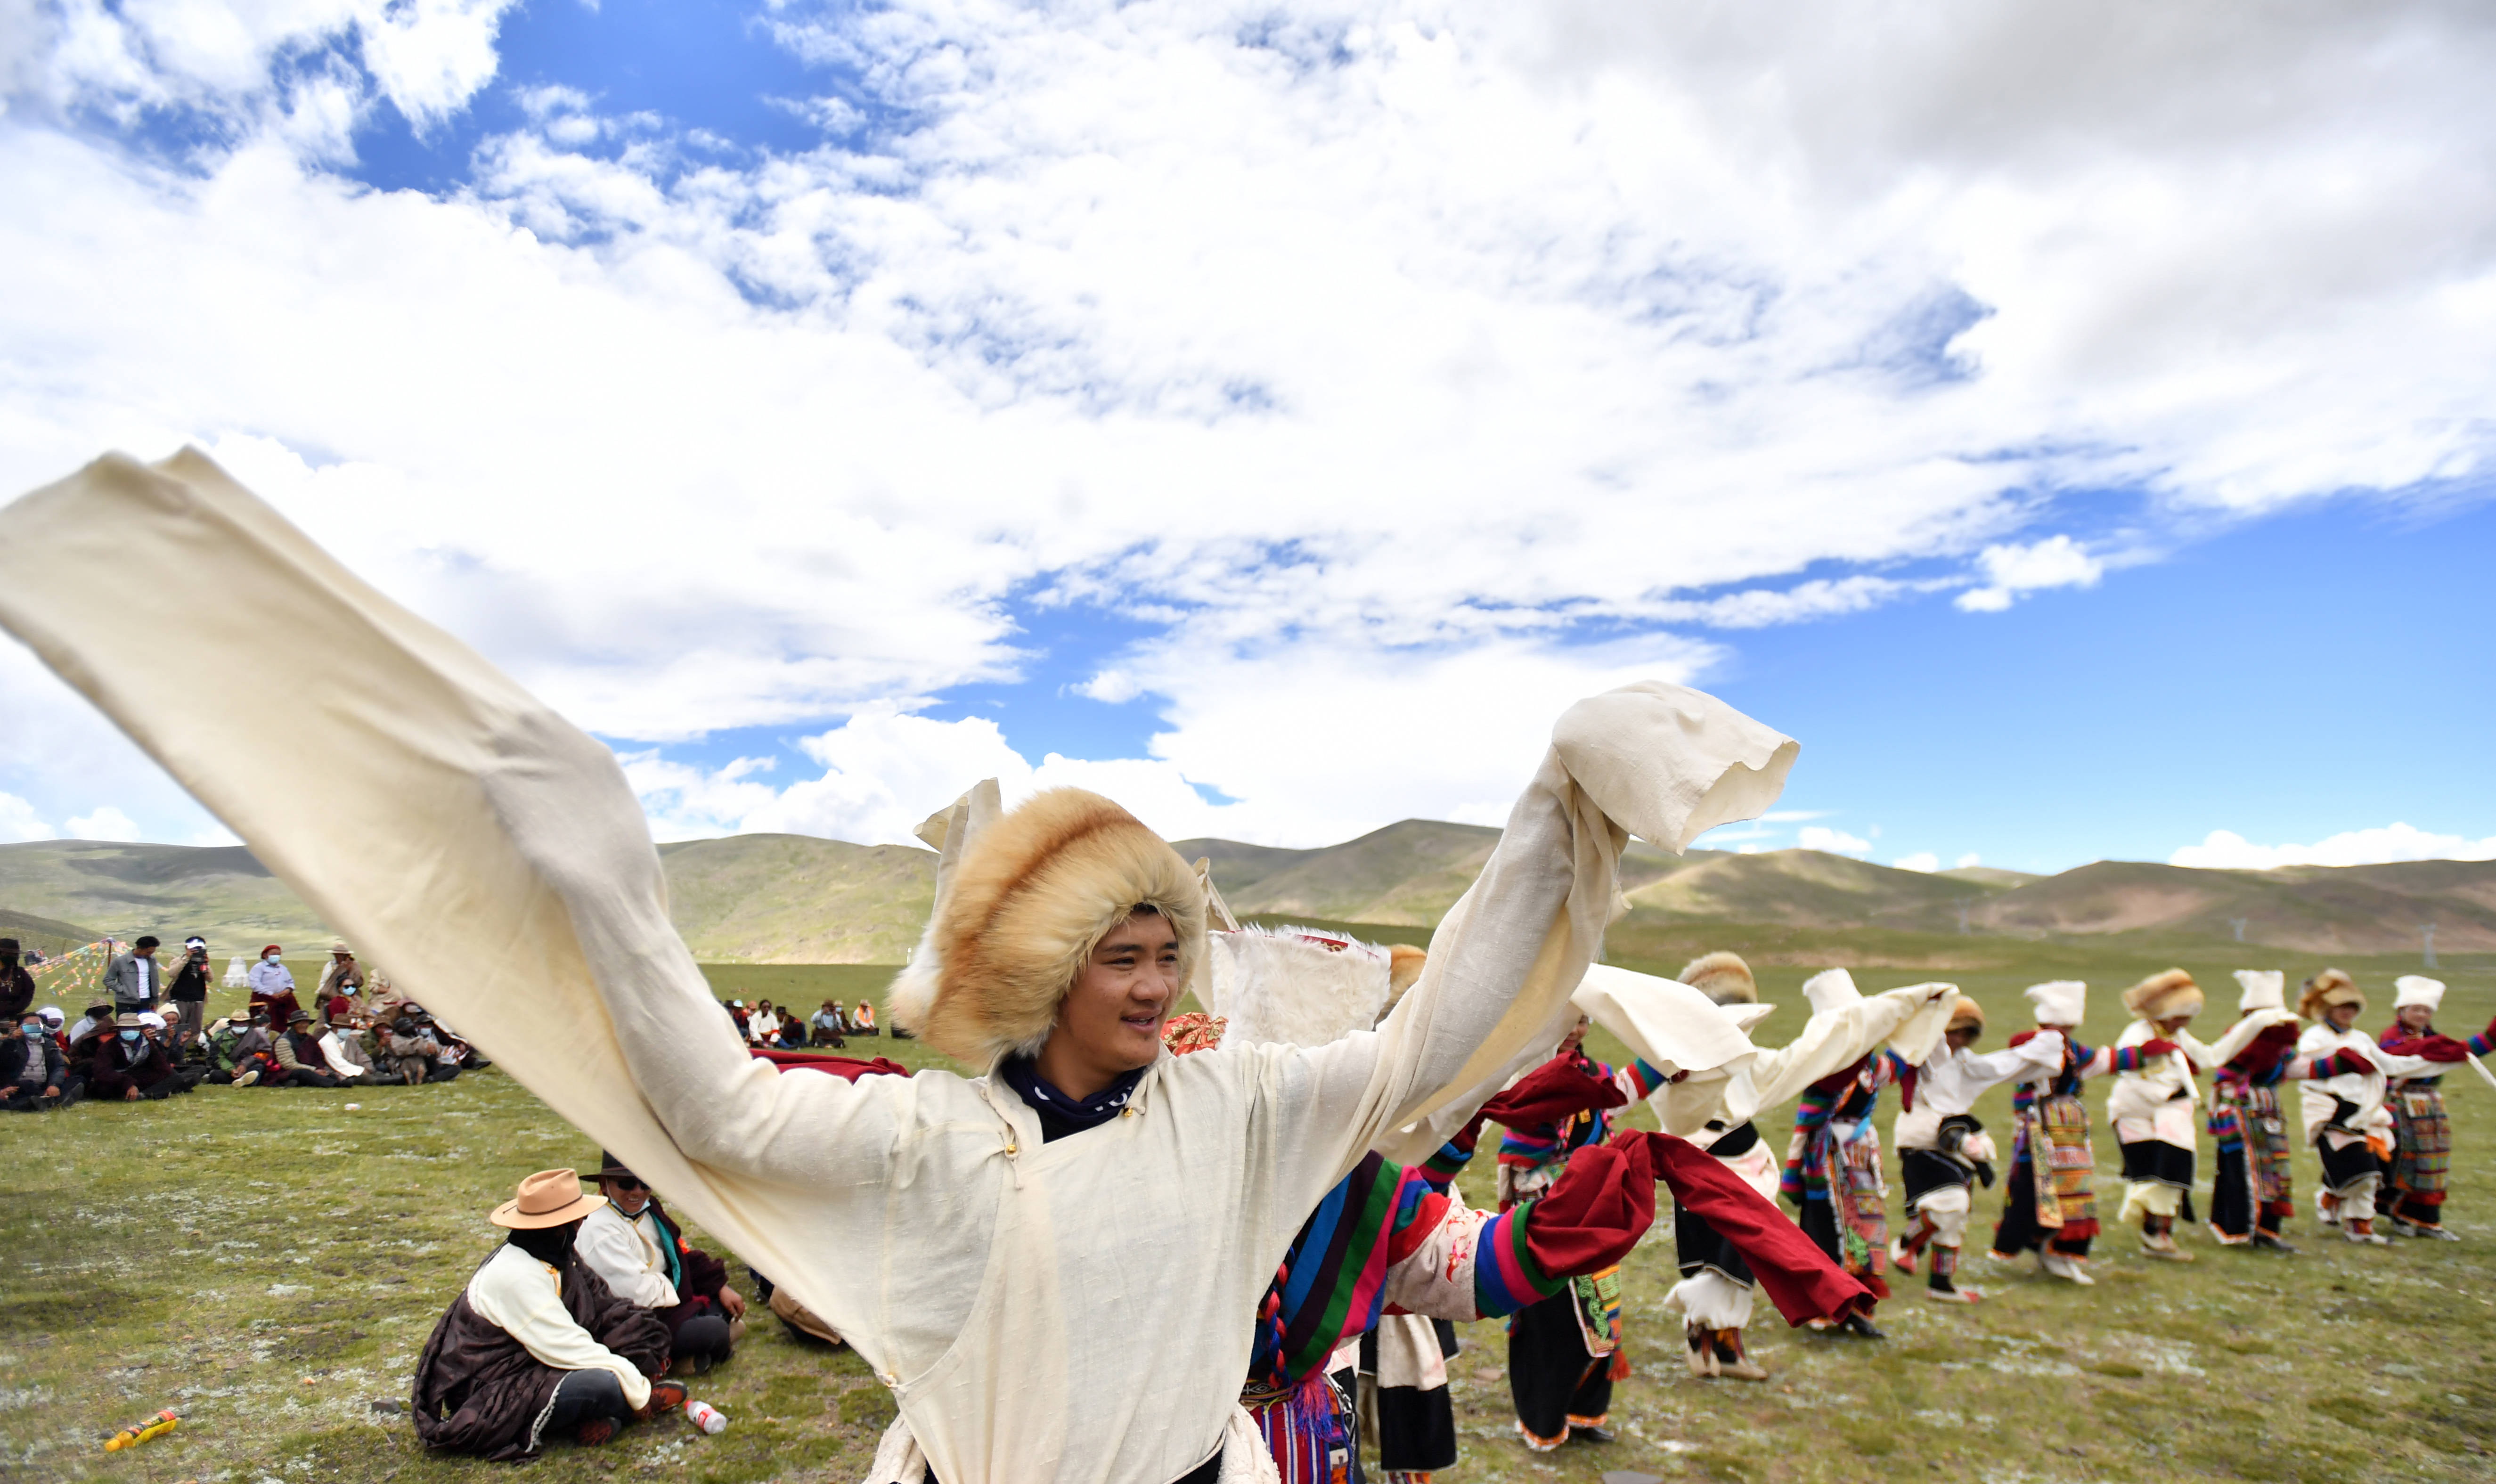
x=1059, y=1114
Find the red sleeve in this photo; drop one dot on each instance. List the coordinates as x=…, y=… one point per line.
x=1800, y=1278
x=848, y=1067
x=1424, y=1219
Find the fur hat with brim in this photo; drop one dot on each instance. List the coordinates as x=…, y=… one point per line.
x=2417, y=989
x=2059, y=1001
x=1019, y=909
x=546, y=1198
x=2327, y=990
x=1720, y=976
x=2164, y=996
x=2265, y=989
x=1965, y=1015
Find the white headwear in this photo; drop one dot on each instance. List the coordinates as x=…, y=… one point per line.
x=2416, y=989
x=1831, y=989
x=2059, y=1001
x=2265, y=989
x=155, y=1022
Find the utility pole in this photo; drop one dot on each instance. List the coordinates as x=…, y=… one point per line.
x=2238, y=923
x=2429, y=929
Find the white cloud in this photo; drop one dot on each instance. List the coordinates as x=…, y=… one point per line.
x=2011, y=570
x=1836, y=842
x=1112, y=686
x=1970, y=858
x=106, y=823
x=1335, y=337
x=2226, y=850
x=1923, y=860
x=18, y=821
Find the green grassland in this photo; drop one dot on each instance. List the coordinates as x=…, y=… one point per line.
x=269, y=1263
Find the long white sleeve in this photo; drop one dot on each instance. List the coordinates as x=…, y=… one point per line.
x=519, y=1295
x=617, y=1252
x=1831, y=1041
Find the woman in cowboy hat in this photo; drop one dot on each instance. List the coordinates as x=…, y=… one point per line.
x=537, y=1347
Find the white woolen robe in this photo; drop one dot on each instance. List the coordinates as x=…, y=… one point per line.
x=1076, y=1311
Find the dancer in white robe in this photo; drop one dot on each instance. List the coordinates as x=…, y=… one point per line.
x=1033, y=1307
x=1941, y=1148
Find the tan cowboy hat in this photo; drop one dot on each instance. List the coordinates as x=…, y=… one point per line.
x=546, y=1198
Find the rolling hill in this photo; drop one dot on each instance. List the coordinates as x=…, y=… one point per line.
x=798, y=899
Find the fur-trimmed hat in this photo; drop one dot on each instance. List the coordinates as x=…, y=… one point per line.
x=2164, y=996
x=2328, y=989
x=1831, y=989
x=2265, y=989
x=2059, y=1001
x=1965, y=1015
x=2416, y=989
x=1020, y=909
x=1722, y=976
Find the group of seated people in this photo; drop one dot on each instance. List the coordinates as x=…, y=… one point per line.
x=577, y=1324
x=128, y=1055
x=782, y=1028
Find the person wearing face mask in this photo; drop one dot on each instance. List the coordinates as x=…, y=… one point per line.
x=254, y=1054
x=128, y=1066
x=643, y=1254
x=153, y=1027
x=537, y=1347
x=16, y=986
x=34, y=1074
x=272, y=986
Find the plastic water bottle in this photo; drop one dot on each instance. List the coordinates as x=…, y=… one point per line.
x=705, y=1416
x=140, y=1432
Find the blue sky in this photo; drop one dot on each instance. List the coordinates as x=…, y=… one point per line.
x=1273, y=416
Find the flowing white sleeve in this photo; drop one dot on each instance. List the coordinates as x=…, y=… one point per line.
x=454, y=828
x=1658, y=761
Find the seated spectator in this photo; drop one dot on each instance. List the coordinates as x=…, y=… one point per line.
x=341, y=981
x=300, y=1061
x=829, y=1025
x=16, y=986
x=252, y=1053
x=154, y=1027
x=383, y=1004
x=646, y=1259
x=342, y=1046
x=455, y=1049
x=537, y=1347
x=34, y=1074
x=98, y=1017
x=864, y=1022
x=744, y=1022
x=272, y=986
x=765, y=1024
x=413, y=1057
x=126, y=1065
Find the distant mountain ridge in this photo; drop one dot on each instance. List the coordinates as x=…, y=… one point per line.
x=801, y=899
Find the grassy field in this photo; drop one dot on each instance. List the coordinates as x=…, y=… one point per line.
x=269, y=1263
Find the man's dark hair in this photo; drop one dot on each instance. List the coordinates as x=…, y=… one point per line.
x=146, y=940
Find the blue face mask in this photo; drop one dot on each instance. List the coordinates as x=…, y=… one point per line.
x=32, y=1028
x=129, y=1036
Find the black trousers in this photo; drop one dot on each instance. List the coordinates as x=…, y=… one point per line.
x=703, y=1332
x=1550, y=1377
x=305, y=1077
x=582, y=1396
